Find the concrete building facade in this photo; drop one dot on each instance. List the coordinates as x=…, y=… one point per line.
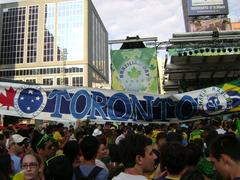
x=53, y=42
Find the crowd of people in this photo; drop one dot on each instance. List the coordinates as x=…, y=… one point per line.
x=199, y=150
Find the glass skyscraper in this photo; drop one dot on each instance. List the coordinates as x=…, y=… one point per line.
x=53, y=43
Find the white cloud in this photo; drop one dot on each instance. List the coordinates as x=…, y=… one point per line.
x=146, y=18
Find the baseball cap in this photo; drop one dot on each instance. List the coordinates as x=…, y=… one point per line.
x=17, y=138
x=96, y=132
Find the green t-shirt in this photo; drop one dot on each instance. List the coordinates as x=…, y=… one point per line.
x=196, y=134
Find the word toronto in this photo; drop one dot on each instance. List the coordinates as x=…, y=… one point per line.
x=120, y=106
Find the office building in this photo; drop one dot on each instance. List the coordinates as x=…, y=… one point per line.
x=53, y=42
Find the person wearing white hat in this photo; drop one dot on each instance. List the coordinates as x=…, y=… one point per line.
x=96, y=132
x=15, y=147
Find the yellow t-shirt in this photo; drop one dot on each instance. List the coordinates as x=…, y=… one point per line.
x=57, y=136
x=19, y=176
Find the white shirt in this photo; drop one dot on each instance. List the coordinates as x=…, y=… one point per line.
x=119, y=138
x=125, y=176
x=101, y=164
x=220, y=131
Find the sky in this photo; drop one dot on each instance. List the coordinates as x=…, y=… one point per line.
x=147, y=18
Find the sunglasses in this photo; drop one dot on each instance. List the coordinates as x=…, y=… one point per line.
x=43, y=140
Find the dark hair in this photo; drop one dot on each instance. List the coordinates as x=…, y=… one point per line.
x=60, y=125
x=174, y=137
x=161, y=135
x=173, y=157
x=39, y=141
x=131, y=146
x=35, y=139
x=192, y=174
x=89, y=147
x=102, y=139
x=5, y=165
x=114, y=154
x=148, y=129
x=194, y=151
x=212, y=134
x=71, y=150
x=58, y=167
x=226, y=144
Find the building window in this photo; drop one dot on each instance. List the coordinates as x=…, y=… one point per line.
x=77, y=81
x=48, y=81
x=30, y=72
x=12, y=41
x=32, y=34
x=61, y=82
x=70, y=30
x=32, y=81
x=49, y=28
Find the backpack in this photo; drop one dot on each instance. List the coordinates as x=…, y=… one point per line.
x=92, y=175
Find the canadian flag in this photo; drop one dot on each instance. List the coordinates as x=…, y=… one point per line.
x=7, y=97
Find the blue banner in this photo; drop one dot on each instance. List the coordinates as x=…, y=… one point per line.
x=70, y=104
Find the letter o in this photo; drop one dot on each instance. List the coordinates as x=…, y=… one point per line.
x=73, y=105
x=127, y=105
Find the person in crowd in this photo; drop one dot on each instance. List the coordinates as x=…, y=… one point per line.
x=60, y=135
x=124, y=132
x=111, y=136
x=197, y=131
x=137, y=156
x=224, y=153
x=97, y=131
x=115, y=166
x=32, y=168
x=161, y=139
x=102, y=152
x=2, y=140
x=72, y=151
x=174, y=137
x=217, y=123
x=58, y=167
x=15, y=147
x=192, y=174
x=43, y=145
x=172, y=160
x=149, y=132
x=5, y=164
x=194, y=152
x=204, y=165
x=89, y=147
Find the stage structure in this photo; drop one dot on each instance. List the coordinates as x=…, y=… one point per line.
x=202, y=59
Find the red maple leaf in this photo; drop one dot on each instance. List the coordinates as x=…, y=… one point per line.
x=8, y=100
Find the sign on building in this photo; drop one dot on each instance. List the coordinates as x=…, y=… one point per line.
x=207, y=7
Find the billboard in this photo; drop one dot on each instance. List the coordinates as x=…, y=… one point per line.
x=207, y=7
x=73, y=103
x=135, y=70
x=209, y=25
